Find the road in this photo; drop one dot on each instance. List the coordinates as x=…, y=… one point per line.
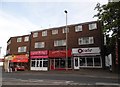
x=58, y=78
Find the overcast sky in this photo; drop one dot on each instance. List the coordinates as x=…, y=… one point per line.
x=20, y=17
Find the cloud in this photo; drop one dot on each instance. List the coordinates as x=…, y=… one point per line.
x=12, y=26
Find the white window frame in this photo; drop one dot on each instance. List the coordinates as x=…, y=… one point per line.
x=35, y=34
x=64, y=30
x=59, y=43
x=92, y=26
x=78, y=28
x=26, y=38
x=54, y=31
x=22, y=49
x=39, y=44
x=44, y=33
x=19, y=39
x=85, y=40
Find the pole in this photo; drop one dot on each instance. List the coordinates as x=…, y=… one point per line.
x=66, y=42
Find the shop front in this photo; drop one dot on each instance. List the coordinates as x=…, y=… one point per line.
x=58, y=60
x=87, y=58
x=39, y=60
x=19, y=62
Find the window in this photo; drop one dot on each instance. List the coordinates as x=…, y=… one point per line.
x=26, y=38
x=78, y=28
x=35, y=34
x=85, y=40
x=65, y=30
x=44, y=33
x=92, y=26
x=39, y=45
x=19, y=39
x=54, y=32
x=22, y=49
x=60, y=43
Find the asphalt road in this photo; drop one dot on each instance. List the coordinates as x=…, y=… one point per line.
x=57, y=78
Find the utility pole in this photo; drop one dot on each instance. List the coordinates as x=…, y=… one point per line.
x=66, y=42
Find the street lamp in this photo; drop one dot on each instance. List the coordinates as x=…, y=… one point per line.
x=66, y=41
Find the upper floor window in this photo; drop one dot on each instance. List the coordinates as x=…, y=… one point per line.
x=60, y=43
x=26, y=38
x=54, y=32
x=35, y=34
x=19, y=39
x=9, y=42
x=39, y=44
x=78, y=28
x=65, y=30
x=85, y=40
x=44, y=33
x=22, y=49
x=92, y=26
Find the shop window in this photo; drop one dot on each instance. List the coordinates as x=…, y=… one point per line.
x=33, y=63
x=62, y=63
x=57, y=63
x=40, y=63
x=97, y=61
x=69, y=63
x=37, y=63
x=89, y=61
x=45, y=63
x=82, y=61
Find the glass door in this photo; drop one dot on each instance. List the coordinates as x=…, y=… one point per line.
x=76, y=63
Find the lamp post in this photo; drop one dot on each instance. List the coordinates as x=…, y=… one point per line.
x=66, y=42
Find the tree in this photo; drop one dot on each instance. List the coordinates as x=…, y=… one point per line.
x=109, y=16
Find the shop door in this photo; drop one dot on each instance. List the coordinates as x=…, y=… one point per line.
x=52, y=66
x=76, y=63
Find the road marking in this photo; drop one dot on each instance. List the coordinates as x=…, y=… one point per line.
x=107, y=83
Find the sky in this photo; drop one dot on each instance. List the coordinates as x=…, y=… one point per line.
x=20, y=17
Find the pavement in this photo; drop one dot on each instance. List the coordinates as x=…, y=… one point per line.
x=85, y=72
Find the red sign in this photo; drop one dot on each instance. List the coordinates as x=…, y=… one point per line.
x=45, y=52
x=32, y=57
x=20, y=58
x=59, y=53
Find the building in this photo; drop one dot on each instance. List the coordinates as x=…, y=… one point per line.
x=17, y=53
x=47, y=48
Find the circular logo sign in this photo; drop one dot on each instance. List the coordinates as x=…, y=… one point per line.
x=80, y=50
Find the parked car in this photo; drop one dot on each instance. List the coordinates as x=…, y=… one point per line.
x=19, y=68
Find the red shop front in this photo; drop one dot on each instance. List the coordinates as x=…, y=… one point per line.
x=58, y=60
x=19, y=62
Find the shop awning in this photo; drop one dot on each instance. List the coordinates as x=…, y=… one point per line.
x=20, y=58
